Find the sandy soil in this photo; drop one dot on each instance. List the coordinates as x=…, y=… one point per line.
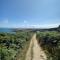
x=38, y=53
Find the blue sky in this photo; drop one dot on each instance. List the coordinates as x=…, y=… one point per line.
x=29, y=13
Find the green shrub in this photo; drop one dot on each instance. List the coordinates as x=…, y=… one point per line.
x=11, y=43
x=50, y=41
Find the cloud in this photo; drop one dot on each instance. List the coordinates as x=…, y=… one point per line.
x=39, y=26
x=26, y=24
x=49, y=25
x=25, y=21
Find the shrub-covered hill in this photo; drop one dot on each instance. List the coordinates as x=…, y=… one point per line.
x=11, y=44
x=50, y=42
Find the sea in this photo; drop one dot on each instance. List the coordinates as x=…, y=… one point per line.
x=8, y=30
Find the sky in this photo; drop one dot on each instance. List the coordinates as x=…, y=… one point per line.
x=29, y=13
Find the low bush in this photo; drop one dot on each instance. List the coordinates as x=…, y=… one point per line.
x=50, y=42
x=10, y=44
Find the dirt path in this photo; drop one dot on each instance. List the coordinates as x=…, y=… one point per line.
x=35, y=52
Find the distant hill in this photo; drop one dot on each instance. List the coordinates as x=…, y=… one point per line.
x=55, y=29
x=49, y=29
x=36, y=29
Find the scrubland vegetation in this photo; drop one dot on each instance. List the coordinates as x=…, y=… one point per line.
x=50, y=43
x=12, y=44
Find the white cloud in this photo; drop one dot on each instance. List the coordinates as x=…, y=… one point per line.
x=25, y=21
x=26, y=24
x=50, y=25
x=39, y=26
